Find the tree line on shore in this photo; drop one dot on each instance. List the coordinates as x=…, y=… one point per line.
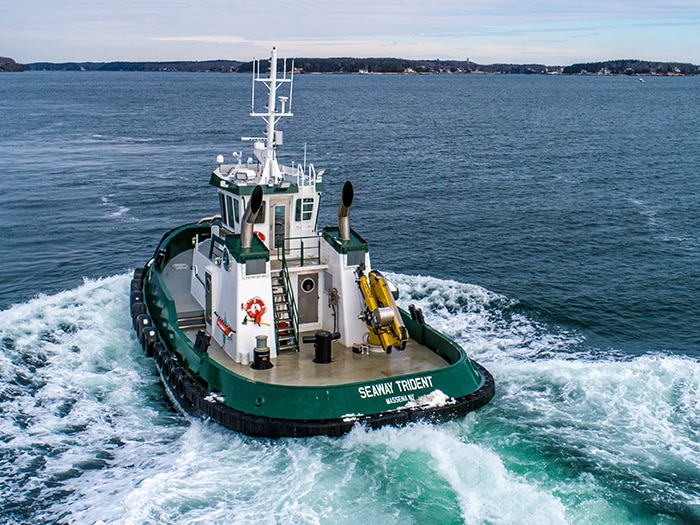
x=374, y=65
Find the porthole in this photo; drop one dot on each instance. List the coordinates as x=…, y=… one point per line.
x=308, y=285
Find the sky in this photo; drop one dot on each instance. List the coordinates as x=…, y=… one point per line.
x=550, y=32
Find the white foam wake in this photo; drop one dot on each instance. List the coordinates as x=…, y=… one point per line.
x=608, y=418
x=571, y=437
x=76, y=394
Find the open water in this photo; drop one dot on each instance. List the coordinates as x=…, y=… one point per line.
x=551, y=225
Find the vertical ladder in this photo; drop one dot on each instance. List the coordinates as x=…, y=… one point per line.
x=286, y=325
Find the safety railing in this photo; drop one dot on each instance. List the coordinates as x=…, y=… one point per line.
x=291, y=303
x=300, y=251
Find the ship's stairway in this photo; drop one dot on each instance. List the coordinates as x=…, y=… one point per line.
x=190, y=320
x=286, y=325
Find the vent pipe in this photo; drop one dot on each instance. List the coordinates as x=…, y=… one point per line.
x=344, y=212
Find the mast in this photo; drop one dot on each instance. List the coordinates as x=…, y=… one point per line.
x=272, y=99
x=274, y=84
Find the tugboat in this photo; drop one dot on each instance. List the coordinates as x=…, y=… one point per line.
x=265, y=324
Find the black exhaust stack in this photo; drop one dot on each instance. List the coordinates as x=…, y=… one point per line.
x=344, y=212
x=251, y=213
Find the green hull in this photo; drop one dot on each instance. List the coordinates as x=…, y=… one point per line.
x=273, y=410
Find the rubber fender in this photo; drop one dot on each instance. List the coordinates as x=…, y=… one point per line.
x=187, y=396
x=180, y=385
x=150, y=338
x=167, y=368
x=136, y=296
x=136, y=310
x=162, y=356
x=155, y=349
x=215, y=411
x=165, y=372
x=139, y=273
x=137, y=284
x=191, y=391
x=142, y=321
x=144, y=333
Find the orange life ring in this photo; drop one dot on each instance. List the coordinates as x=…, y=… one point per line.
x=255, y=308
x=260, y=235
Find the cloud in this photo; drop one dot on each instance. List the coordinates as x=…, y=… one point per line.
x=205, y=39
x=182, y=29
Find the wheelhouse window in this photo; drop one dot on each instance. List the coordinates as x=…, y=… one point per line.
x=236, y=215
x=304, y=209
x=229, y=210
x=232, y=216
x=222, y=204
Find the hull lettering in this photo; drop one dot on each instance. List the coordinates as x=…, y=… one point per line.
x=400, y=386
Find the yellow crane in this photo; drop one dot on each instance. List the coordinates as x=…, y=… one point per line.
x=381, y=313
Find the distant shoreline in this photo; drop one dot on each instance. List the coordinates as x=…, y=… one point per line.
x=631, y=67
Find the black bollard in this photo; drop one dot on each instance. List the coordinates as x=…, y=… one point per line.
x=322, y=345
x=201, y=342
x=261, y=354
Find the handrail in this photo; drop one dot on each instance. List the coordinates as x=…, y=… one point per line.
x=289, y=296
x=302, y=249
